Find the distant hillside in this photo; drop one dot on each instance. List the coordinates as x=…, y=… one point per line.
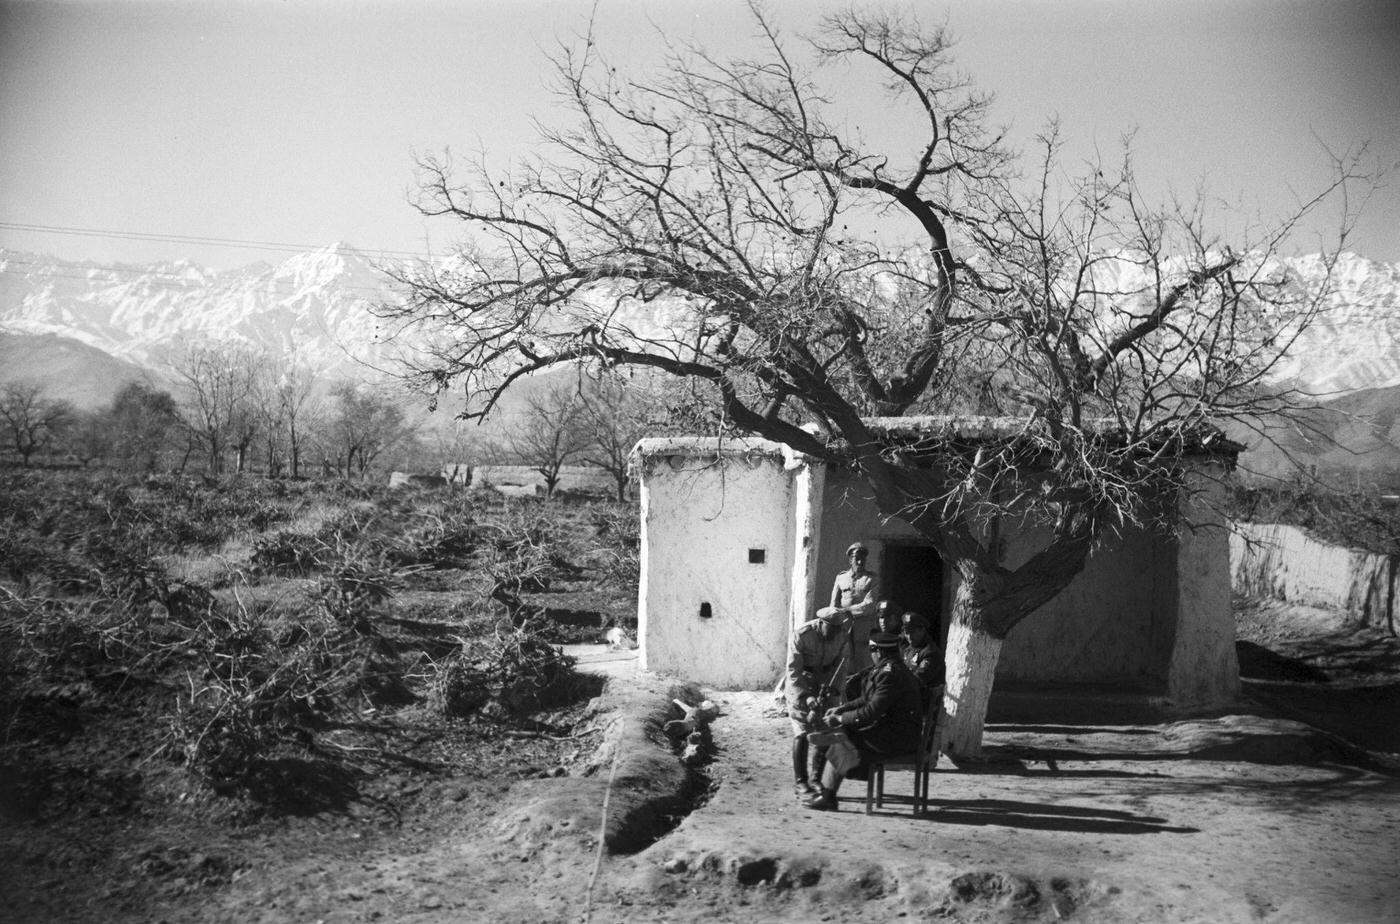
x=66, y=368
x=1349, y=441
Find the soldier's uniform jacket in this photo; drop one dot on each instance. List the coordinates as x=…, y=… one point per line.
x=887, y=715
x=925, y=662
x=813, y=661
x=855, y=590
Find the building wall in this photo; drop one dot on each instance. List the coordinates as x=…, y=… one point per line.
x=1271, y=560
x=700, y=518
x=1114, y=623
x=1203, y=667
x=1150, y=612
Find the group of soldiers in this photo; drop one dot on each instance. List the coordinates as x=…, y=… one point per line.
x=843, y=717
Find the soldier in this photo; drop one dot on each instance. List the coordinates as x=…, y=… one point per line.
x=921, y=654
x=883, y=722
x=853, y=593
x=887, y=617
x=819, y=653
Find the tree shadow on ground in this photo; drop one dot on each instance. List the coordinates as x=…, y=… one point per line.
x=1041, y=817
x=1366, y=651
x=1367, y=716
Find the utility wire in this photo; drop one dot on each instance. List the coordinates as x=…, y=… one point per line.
x=172, y=281
x=185, y=239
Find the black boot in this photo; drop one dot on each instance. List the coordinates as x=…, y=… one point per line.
x=802, y=789
x=818, y=764
x=824, y=801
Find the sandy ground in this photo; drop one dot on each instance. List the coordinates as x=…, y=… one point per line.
x=1245, y=817
x=1234, y=819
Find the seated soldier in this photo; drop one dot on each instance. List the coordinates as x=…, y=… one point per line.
x=922, y=655
x=887, y=617
x=819, y=654
x=882, y=722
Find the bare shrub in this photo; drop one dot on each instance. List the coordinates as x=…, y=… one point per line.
x=514, y=668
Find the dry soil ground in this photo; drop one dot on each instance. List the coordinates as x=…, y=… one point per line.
x=1251, y=816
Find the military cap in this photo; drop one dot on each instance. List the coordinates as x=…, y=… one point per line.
x=912, y=619
x=884, y=640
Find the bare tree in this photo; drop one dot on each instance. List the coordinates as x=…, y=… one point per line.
x=144, y=421
x=364, y=422
x=551, y=431
x=717, y=221
x=217, y=384
x=286, y=406
x=298, y=410
x=33, y=419
x=90, y=438
x=618, y=411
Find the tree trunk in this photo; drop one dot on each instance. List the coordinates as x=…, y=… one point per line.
x=972, y=664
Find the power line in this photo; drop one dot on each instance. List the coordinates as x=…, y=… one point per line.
x=186, y=239
x=169, y=281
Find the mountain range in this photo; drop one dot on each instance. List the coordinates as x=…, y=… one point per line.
x=83, y=329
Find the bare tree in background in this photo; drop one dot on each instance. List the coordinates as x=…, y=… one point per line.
x=217, y=381
x=144, y=421
x=618, y=410
x=720, y=221
x=33, y=419
x=551, y=431
x=364, y=422
x=286, y=406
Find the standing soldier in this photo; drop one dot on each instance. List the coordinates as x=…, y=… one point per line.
x=854, y=595
x=819, y=654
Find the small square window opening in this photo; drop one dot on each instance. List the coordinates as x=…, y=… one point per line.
x=757, y=556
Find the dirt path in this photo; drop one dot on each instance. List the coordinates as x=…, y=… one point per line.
x=1141, y=827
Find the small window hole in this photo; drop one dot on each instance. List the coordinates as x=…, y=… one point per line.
x=757, y=556
x=705, y=612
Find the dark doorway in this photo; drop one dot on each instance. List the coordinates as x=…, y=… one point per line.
x=912, y=576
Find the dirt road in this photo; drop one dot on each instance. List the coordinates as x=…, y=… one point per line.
x=1237, y=819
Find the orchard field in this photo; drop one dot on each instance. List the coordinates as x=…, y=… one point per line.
x=276, y=662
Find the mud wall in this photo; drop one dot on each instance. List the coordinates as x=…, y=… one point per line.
x=716, y=552
x=1148, y=612
x=1284, y=563
x=1114, y=623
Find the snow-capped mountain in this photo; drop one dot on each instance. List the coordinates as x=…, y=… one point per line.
x=312, y=307
x=1355, y=344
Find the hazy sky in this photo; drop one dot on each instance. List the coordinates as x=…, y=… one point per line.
x=133, y=130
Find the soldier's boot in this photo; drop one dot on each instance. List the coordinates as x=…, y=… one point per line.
x=801, y=788
x=818, y=764
x=824, y=801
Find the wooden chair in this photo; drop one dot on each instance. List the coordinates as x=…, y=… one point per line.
x=921, y=761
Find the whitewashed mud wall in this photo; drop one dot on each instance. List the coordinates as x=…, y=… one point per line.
x=716, y=550
x=1284, y=563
